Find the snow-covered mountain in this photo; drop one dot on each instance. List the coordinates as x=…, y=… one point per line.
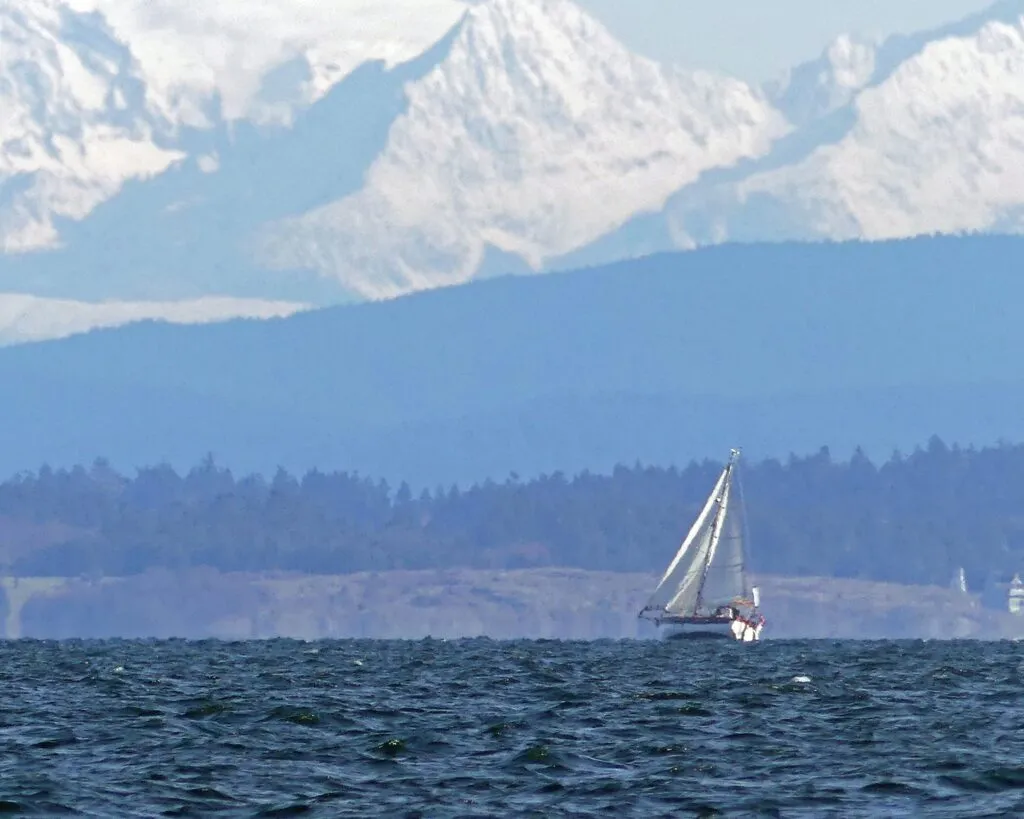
x=290, y=152
x=74, y=120
x=931, y=140
x=817, y=88
x=94, y=93
x=246, y=52
x=111, y=116
x=525, y=132
x=535, y=134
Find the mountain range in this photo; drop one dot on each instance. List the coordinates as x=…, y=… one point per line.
x=155, y=155
x=778, y=348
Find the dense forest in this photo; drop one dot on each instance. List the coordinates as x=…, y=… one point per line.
x=913, y=519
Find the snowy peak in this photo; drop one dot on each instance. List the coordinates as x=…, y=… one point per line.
x=933, y=142
x=74, y=120
x=535, y=133
x=505, y=33
x=245, y=53
x=852, y=63
x=815, y=89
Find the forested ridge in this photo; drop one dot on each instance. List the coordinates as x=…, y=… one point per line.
x=913, y=519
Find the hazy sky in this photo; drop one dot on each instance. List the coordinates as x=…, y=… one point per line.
x=756, y=39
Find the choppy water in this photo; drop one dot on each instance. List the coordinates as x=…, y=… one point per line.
x=479, y=728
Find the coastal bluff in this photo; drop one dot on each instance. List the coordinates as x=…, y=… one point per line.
x=529, y=603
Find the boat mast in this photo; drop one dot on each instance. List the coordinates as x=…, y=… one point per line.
x=716, y=527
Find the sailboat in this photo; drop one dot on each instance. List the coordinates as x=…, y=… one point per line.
x=704, y=591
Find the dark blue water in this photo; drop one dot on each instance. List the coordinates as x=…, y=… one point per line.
x=479, y=728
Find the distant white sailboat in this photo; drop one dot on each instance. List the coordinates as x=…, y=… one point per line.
x=704, y=591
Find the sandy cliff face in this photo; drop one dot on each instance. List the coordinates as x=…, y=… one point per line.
x=551, y=603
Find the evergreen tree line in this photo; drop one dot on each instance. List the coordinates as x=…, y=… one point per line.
x=914, y=519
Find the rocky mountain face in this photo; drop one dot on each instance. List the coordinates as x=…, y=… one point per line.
x=152, y=153
x=534, y=134
x=915, y=136
x=75, y=121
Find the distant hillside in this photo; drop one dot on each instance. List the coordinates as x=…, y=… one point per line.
x=774, y=347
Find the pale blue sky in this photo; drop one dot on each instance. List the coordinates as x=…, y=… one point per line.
x=757, y=39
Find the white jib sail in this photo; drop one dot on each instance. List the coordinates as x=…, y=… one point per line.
x=679, y=586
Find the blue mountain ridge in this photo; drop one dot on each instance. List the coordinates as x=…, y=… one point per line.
x=778, y=348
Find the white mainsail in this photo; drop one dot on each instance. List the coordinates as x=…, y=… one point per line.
x=707, y=571
x=726, y=581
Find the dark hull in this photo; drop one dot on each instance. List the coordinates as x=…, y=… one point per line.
x=710, y=628
x=699, y=635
